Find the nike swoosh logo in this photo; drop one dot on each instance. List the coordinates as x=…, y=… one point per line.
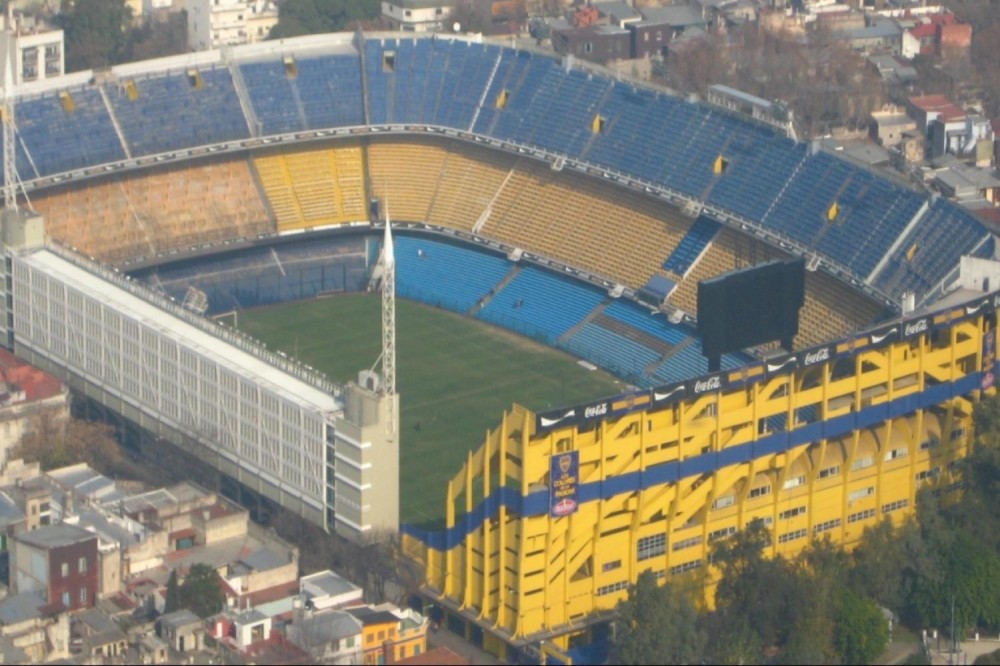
x=548, y=422
x=664, y=396
x=880, y=338
x=772, y=368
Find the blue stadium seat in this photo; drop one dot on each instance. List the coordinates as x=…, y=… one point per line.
x=171, y=114
x=937, y=243
x=692, y=245
x=273, y=97
x=445, y=275
x=253, y=277
x=541, y=304
x=612, y=351
x=59, y=140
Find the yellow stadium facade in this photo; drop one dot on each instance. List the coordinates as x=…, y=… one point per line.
x=552, y=518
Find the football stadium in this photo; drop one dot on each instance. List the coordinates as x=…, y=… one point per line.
x=536, y=196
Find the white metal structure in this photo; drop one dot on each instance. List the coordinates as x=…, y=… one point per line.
x=225, y=401
x=388, y=386
x=9, y=145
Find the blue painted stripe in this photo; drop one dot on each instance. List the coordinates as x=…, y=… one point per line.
x=537, y=503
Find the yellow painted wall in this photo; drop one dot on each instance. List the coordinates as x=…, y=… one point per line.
x=544, y=577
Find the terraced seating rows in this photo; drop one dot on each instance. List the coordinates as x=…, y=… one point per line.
x=314, y=187
x=153, y=211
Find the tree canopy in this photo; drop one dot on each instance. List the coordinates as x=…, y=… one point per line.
x=96, y=33
x=200, y=592
x=657, y=625
x=308, y=17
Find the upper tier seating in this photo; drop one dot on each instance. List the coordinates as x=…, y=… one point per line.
x=523, y=97
x=931, y=249
x=60, y=139
x=178, y=110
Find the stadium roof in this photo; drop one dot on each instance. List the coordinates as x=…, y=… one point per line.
x=232, y=359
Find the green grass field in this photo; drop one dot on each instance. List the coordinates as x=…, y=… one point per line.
x=455, y=377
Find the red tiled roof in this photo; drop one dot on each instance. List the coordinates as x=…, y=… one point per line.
x=939, y=104
x=274, y=593
x=36, y=384
x=187, y=532
x=923, y=30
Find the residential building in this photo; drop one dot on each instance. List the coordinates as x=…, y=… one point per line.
x=215, y=24
x=59, y=562
x=597, y=43
x=959, y=181
x=96, y=636
x=325, y=589
x=889, y=125
x=390, y=634
x=39, y=49
x=418, y=15
x=379, y=629
x=11, y=517
x=332, y=637
x=936, y=35
x=27, y=395
x=182, y=631
x=33, y=496
x=30, y=624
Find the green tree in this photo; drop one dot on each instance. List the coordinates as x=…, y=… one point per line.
x=96, y=33
x=172, y=601
x=307, y=17
x=753, y=587
x=201, y=592
x=55, y=442
x=860, y=632
x=657, y=625
x=888, y=563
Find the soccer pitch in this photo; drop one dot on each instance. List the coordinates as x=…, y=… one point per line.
x=455, y=376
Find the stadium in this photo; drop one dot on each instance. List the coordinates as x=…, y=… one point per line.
x=533, y=194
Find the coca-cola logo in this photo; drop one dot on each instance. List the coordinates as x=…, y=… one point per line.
x=710, y=384
x=817, y=356
x=913, y=328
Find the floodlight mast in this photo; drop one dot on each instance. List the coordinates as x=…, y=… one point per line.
x=9, y=146
x=388, y=385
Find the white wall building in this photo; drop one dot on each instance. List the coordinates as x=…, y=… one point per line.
x=213, y=24
x=418, y=15
x=39, y=51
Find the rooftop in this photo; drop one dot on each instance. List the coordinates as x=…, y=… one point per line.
x=180, y=618
x=36, y=384
x=321, y=628
x=250, y=616
x=56, y=536
x=678, y=16
x=368, y=617
x=330, y=583
x=9, y=513
x=939, y=104
x=86, y=483
x=21, y=607
x=234, y=360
